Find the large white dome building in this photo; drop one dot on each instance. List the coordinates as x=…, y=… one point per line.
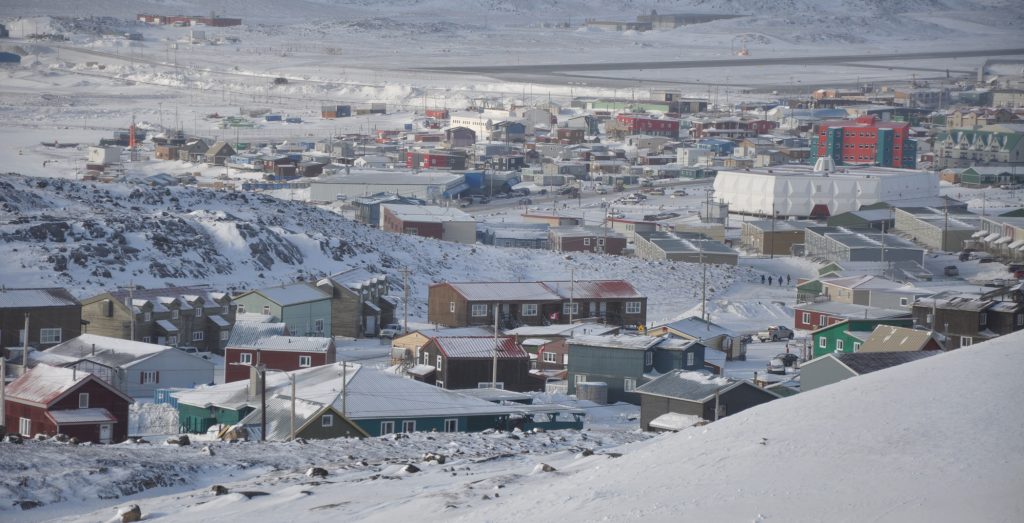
x=802, y=190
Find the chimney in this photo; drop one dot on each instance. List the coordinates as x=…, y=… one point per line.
x=93, y=349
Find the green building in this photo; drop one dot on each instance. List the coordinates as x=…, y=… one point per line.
x=304, y=308
x=847, y=336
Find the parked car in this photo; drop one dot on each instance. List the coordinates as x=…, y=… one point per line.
x=776, y=366
x=775, y=333
x=525, y=201
x=602, y=190
x=788, y=358
x=951, y=270
x=678, y=192
x=392, y=330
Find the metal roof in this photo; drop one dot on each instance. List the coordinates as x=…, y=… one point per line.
x=865, y=362
x=889, y=338
x=494, y=395
x=356, y=278
x=563, y=330
x=852, y=311
x=697, y=328
x=693, y=386
x=76, y=416
x=618, y=341
x=28, y=298
x=43, y=384
x=480, y=347
x=247, y=332
x=107, y=351
x=675, y=421
x=427, y=213
x=505, y=291
x=184, y=296
x=293, y=294
x=289, y=344
x=594, y=289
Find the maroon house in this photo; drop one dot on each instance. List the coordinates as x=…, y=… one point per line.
x=813, y=316
x=467, y=362
x=56, y=400
x=285, y=353
x=586, y=238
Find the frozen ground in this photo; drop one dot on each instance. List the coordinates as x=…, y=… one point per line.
x=867, y=457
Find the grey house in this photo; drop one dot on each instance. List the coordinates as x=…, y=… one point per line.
x=696, y=395
x=835, y=367
x=305, y=308
x=626, y=362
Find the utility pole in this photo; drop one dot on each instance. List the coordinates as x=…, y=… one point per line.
x=292, y=432
x=703, y=287
x=131, y=306
x=405, y=300
x=344, y=387
x=494, y=363
x=3, y=382
x=24, y=350
x=572, y=290
x=262, y=370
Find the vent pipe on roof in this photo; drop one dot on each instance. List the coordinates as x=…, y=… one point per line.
x=93, y=349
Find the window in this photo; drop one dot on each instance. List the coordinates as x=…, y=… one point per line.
x=327, y=420
x=856, y=346
x=805, y=318
x=550, y=357
x=839, y=345
x=199, y=312
x=198, y=336
x=571, y=308
x=451, y=425
x=147, y=316
x=529, y=309
x=479, y=310
x=83, y=400
x=174, y=314
x=966, y=341
x=148, y=377
x=225, y=309
x=318, y=325
x=245, y=357
x=451, y=306
x=600, y=241
x=305, y=361
x=581, y=378
x=648, y=358
x=904, y=301
x=689, y=359
x=240, y=309
x=439, y=360
x=387, y=427
x=172, y=340
x=928, y=318
x=266, y=310
x=632, y=307
x=586, y=241
x=983, y=319
x=49, y=335
x=224, y=335
x=146, y=339
x=1020, y=320
x=822, y=320
x=629, y=384
x=822, y=342
x=409, y=425
x=25, y=426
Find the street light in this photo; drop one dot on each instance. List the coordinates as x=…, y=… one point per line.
x=262, y=369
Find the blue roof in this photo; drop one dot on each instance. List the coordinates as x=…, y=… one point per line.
x=294, y=294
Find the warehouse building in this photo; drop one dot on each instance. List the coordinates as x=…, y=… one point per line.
x=839, y=244
x=686, y=247
x=430, y=186
x=937, y=228
x=775, y=237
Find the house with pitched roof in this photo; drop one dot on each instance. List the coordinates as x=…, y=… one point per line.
x=626, y=362
x=613, y=302
x=54, y=315
x=277, y=352
x=811, y=316
x=194, y=316
x=849, y=335
x=890, y=338
x=360, y=304
x=682, y=398
x=55, y=400
x=467, y=362
x=835, y=367
x=303, y=307
x=709, y=333
x=136, y=369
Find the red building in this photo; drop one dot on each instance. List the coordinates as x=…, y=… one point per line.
x=285, y=353
x=865, y=140
x=440, y=114
x=813, y=316
x=56, y=400
x=434, y=159
x=644, y=124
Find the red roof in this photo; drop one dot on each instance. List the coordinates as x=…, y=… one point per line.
x=44, y=384
x=594, y=289
x=479, y=347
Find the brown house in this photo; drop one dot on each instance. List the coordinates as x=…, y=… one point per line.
x=613, y=302
x=966, y=320
x=467, y=362
x=360, y=305
x=177, y=316
x=54, y=315
x=553, y=356
x=586, y=238
x=53, y=400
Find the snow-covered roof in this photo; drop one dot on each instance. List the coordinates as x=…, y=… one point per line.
x=356, y=278
x=81, y=416
x=246, y=332
x=674, y=421
x=564, y=330
x=31, y=298
x=693, y=386
x=107, y=351
x=289, y=344
x=44, y=384
x=889, y=338
x=852, y=310
x=617, y=341
x=594, y=289
x=427, y=213
x=505, y=291
x=479, y=347
x=697, y=328
x=292, y=294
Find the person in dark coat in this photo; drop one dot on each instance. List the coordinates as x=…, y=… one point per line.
x=787, y=279
x=769, y=281
x=780, y=280
x=762, y=279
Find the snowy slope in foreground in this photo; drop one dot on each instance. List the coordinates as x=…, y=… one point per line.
x=934, y=440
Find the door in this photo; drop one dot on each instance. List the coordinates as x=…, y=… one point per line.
x=106, y=432
x=371, y=325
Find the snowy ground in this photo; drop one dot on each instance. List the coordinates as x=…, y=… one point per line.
x=848, y=441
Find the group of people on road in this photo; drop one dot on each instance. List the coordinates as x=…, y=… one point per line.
x=770, y=280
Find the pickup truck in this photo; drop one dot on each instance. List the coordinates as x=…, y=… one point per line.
x=392, y=330
x=775, y=333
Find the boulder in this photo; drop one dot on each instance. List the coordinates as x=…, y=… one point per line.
x=131, y=513
x=586, y=452
x=73, y=441
x=411, y=469
x=544, y=467
x=28, y=504
x=207, y=450
x=249, y=494
x=316, y=472
x=219, y=490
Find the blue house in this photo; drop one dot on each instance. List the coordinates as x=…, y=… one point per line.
x=717, y=145
x=626, y=362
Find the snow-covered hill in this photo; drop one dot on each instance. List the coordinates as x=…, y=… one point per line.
x=89, y=237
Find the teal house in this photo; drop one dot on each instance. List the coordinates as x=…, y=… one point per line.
x=847, y=336
x=304, y=308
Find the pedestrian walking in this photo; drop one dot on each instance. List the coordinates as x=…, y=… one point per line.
x=769, y=281
x=780, y=280
x=787, y=279
x=762, y=279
